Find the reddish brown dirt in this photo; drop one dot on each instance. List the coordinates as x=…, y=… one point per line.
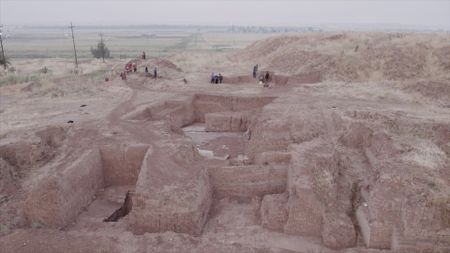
x=309, y=164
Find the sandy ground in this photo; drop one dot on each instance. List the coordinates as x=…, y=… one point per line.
x=47, y=125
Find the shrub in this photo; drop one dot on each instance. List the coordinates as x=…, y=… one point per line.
x=101, y=51
x=44, y=70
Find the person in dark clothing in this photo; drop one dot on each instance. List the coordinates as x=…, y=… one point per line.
x=135, y=67
x=155, y=73
x=220, y=77
x=212, y=77
x=266, y=77
x=216, y=79
x=143, y=55
x=146, y=69
x=123, y=75
x=255, y=70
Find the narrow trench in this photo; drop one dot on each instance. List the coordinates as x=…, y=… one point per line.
x=123, y=211
x=355, y=200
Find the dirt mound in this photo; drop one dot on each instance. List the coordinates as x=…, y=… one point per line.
x=156, y=62
x=354, y=57
x=397, y=62
x=35, y=151
x=163, y=63
x=18, y=160
x=166, y=69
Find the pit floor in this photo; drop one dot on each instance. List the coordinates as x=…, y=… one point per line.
x=220, y=143
x=104, y=203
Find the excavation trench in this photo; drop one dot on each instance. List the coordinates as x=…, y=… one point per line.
x=221, y=124
x=127, y=180
x=211, y=121
x=87, y=188
x=274, y=78
x=218, y=128
x=121, y=164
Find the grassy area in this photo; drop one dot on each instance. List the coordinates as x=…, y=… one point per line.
x=11, y=79
x=34, y=43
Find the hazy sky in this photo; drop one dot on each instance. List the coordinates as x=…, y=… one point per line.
x=429, y=13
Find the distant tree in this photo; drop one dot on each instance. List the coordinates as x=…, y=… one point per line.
x=101, y=51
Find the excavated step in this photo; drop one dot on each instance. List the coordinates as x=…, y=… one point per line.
x=248, y=180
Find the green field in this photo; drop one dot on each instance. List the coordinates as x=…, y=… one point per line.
x=123, y=42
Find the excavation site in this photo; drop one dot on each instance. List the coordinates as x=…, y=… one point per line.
x=338, y=143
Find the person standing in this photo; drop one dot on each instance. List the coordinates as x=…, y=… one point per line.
x=212, y=77
x=220, y=77
x=143, y=55
x=255, y=70
x=155, y=72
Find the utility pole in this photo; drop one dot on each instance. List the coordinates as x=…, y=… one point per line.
x=103, y=47
x=3, y=52
x=74, y=48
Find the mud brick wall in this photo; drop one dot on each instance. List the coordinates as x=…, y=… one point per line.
x=122, y=163
x=56, y=200
x=227, y=121
x=248, y=181
x=205, y=103
x=179, y=213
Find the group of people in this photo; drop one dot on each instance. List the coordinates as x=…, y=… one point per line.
x=216, y=78
x=155, y=72
x=263, y=79
x=132, y=67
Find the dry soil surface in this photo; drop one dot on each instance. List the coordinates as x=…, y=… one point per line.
x=346, y=150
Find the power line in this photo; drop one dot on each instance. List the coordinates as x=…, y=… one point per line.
x=1, y=38
x=1, y=44
x=74, y=48
x=0, y=12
